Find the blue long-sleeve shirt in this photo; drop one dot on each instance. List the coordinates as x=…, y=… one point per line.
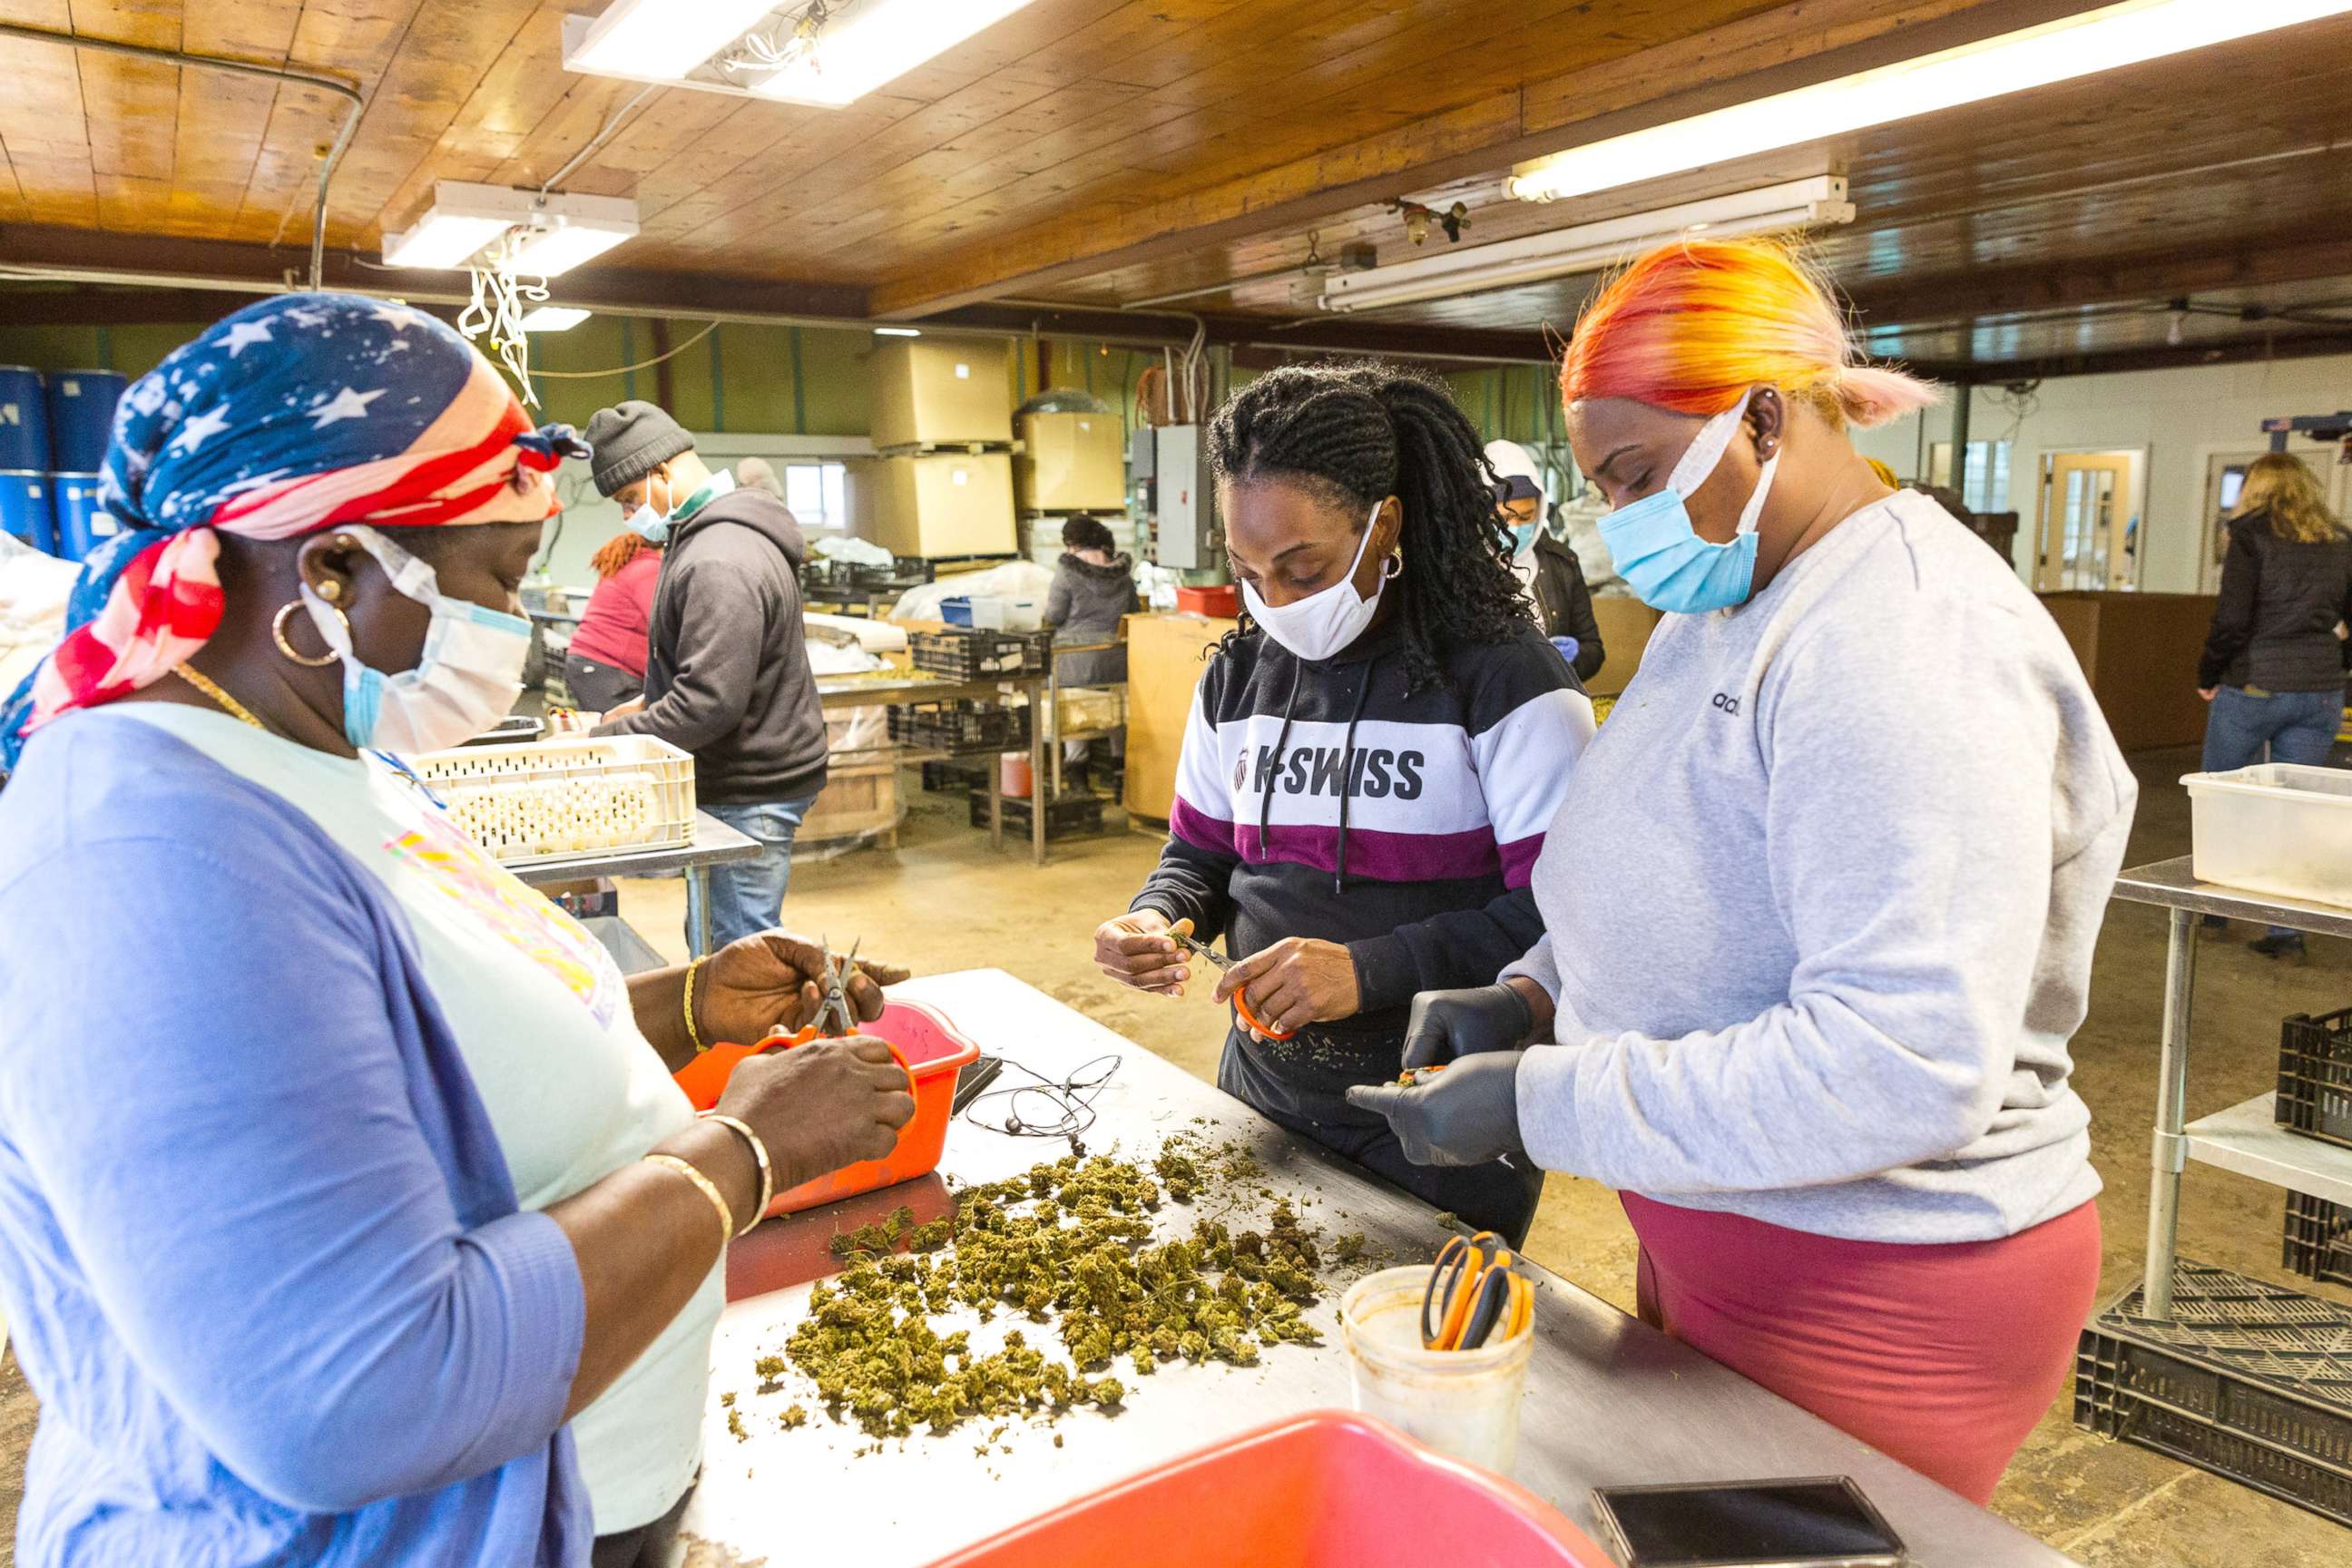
x=260, y=1252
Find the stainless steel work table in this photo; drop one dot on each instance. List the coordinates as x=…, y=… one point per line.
x=714, y=843
x=873, y=691
x=2244, y=1138
x=1609, y=1401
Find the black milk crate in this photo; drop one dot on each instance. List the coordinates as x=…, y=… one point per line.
x=954, y=778
x=2318, y=1240
x=1072, y=815
x=965, y=655
x=959, y=726
x=904, y=571
x=2315, y=1081
x=2248, y=1380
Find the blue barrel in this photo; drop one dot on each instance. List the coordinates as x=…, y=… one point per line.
x=82, y=527
x=24, y=422
x=25, y=509
x=81, y=417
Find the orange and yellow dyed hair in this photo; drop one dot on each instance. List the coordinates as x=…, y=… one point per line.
x=1690, y=326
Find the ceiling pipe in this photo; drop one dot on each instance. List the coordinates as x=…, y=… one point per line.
x=341, y=90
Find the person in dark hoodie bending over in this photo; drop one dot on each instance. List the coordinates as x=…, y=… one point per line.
x=1371, y=762
x=727, y=670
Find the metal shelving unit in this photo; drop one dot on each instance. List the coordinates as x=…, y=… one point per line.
x=2242, y=1138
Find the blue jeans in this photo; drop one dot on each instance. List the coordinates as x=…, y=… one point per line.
x=747, y=895
x=2295, y=727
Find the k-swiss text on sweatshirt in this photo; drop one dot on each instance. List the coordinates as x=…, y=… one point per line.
x=1325, y=800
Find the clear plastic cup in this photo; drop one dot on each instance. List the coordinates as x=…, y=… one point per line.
x=1463, y=1403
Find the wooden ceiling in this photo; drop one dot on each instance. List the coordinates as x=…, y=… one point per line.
x=1091, y=154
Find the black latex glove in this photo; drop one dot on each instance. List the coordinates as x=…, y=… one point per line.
x=1465, y=1114
x=1448, y=1025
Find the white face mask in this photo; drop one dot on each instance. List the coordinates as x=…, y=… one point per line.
x=469, y=679
x=1324, y=622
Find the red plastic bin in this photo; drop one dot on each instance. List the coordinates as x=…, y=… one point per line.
x=1328, y=1490
x=936, y=1052
x=1224, y=600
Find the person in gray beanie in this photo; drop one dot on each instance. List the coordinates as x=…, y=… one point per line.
x=727, y=670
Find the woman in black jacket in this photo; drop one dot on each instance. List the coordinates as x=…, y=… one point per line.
x=2274, y=659
x=1543, y=561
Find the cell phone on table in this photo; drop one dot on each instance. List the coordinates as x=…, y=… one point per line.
x=972, y=1081
x=1818, y=1521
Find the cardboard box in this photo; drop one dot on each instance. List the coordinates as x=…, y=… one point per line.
x=933, y=390
x=1163, y=666
x=1626, y=623
x=1071, y=462
x=944, y=503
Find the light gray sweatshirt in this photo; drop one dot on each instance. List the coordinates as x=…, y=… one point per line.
x=1821, y=897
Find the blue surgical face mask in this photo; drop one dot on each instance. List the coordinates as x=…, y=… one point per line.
x=467, y=680
x=1659, y=555
x=1523, y=537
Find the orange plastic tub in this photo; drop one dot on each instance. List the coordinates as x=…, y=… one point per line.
x=1330, y=1489
x=935, y=1051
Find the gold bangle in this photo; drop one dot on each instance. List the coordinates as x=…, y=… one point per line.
x=693, y=1036
x=710, y=1190
x=760, y=1154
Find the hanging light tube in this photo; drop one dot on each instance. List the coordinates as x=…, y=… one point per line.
x=1589, y=247
x=2106, y=39
x=661, y=40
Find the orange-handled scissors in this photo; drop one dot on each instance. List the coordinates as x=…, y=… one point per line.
x=1241, y=1003
x=1476, y=1294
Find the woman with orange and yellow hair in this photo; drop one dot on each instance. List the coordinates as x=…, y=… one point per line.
x=1823, y=929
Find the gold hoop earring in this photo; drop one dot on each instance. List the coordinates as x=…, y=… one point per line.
x=286, y=647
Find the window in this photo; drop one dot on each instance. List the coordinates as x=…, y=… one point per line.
x=1985, y=485
x=817, y=494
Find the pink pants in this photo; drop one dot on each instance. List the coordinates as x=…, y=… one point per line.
x=1943, y=1356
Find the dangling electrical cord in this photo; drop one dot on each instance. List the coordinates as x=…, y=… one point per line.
x=1049, y=1108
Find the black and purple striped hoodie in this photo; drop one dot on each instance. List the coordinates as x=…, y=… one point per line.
x=1321, y=800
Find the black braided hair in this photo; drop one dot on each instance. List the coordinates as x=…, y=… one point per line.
x=1358, y=433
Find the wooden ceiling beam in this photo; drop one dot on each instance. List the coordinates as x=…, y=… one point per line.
x=1791, y=45
x=2307, y=342
x=262, y=269
x=2250, y=262
x=1334, y=335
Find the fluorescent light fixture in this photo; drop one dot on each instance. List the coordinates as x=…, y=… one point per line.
x=864, y=45
x=552, y=252
x=2106, y=39
x=661, y=40
x=554, y=319
x=1587, y=248
x=897, y=332
x=441, y=240
x=552, y=233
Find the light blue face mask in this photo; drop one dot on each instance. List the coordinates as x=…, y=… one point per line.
x=654, y=527
x=1653, y=547
x=1523, y=537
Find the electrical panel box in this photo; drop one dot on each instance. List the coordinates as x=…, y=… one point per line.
x=1184, y=498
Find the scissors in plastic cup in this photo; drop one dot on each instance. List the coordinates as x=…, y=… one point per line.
x=1200, y=949
x=1476, y=1294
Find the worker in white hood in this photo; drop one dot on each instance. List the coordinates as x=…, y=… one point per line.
x=1543, y=562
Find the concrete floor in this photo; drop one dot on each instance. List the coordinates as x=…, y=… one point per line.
x=943, y=900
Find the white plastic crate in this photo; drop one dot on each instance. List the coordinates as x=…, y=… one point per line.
x=554, y=800
x=2280, y=829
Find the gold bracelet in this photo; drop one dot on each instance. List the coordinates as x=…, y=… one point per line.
x=760, y=1154
x=693, y=1036
x=710, y=1190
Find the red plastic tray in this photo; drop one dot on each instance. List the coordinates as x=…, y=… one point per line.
x=1330, y=1489
x=935, y=1051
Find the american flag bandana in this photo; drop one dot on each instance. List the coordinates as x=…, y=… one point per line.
x=303, y=413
